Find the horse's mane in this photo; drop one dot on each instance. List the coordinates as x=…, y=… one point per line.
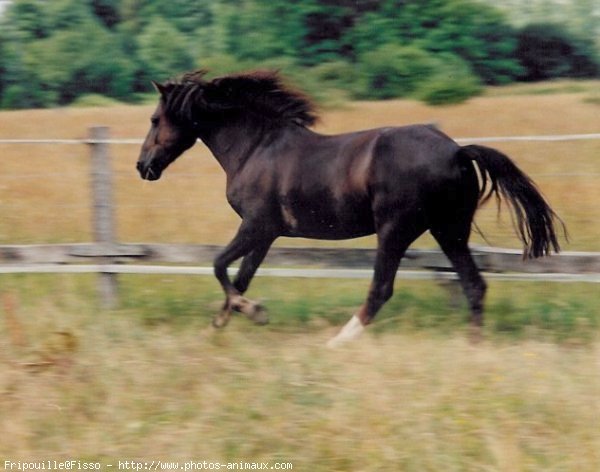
x=262, y=93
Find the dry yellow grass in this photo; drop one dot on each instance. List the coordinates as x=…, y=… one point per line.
x=44, y=189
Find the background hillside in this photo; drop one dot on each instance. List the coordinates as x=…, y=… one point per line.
x=438, y=51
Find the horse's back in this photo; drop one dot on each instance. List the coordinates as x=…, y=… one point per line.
x=417, y=145
x=413, y=158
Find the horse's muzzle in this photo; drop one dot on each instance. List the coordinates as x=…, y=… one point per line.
x=147, y=171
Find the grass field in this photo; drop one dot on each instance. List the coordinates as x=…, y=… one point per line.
x=152, y=380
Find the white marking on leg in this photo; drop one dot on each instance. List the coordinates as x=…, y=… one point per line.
x=351, y=331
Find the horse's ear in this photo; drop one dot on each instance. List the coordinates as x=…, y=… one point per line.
x=160, y=88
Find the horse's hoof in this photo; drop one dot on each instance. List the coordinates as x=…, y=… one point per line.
x=220, y=321
x=259, y=315
x=475, y=335
x=254, y=311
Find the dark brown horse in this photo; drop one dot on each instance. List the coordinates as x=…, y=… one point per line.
x=285, y=180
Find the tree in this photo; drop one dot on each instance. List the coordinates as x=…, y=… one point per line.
x=52, y=51
x=67, y=14
x=82, y=60
x=26, y=19
x=163, y=51
x=107, y=11
x=258, y=30
x=477, y=33
x=374, y=30
x=186, y=15
x=548, y=51
x=391, y=71
x=24, y=23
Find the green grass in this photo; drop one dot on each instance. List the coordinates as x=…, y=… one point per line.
x=548, y=87
x=562, y=313
x=593, y=98
x=94, y=100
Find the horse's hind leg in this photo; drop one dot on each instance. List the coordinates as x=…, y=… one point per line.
x=393, y=241
x=474, y=287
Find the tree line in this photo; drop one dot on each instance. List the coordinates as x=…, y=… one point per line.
x=441, y=51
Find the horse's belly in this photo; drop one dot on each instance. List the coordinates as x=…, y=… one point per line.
x=325, y=218
x=330, y=231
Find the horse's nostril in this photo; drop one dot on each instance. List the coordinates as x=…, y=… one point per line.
x=140, y=167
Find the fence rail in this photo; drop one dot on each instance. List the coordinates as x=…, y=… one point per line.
x=107, y=257
x=475, y=139
x=284, y=261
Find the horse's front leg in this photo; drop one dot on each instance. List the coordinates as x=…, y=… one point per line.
x=253, y=248
x=255, y=311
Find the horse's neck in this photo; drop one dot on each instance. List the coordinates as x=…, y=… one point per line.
x=233, y=143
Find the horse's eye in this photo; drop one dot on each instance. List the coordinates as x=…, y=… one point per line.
x=154, y=120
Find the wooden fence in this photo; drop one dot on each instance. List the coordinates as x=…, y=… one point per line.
x=107, y=257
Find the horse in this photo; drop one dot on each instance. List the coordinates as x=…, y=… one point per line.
x=284, y=179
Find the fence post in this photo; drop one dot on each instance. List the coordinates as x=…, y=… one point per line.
x=103, y=221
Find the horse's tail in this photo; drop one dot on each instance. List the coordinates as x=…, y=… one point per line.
x=535, y=220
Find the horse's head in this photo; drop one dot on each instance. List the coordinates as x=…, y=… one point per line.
x=168, y=138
